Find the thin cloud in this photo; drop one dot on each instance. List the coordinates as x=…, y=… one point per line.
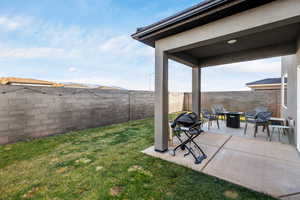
x=73, y=69
x=35, y=53
x=109, y=58
x=12, y=23
x=123, y=44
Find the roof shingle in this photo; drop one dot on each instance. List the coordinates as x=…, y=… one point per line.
x=266, y=81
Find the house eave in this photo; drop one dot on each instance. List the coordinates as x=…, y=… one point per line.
x=178, y=17
x=204, y=13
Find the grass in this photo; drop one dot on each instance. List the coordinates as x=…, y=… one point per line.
x=104, y=163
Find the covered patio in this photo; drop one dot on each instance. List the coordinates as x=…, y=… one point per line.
x=218, y=32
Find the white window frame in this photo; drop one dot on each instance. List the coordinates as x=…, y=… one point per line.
x=298, y=110
x=283, y=86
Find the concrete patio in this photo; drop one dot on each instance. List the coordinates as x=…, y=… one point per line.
x=268, y=167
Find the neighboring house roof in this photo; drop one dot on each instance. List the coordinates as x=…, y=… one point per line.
x=75, y=85
x=266, y=84
x=109, y=88
x=27, y=81
x=91, y=86
x=267, y=81
x=200, y=14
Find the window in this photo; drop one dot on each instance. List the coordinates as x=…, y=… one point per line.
x=284, y=89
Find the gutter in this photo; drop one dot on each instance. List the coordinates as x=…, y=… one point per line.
x=180, y=17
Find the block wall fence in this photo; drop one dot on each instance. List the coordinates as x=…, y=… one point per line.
x=32, y=112
x=239, y=100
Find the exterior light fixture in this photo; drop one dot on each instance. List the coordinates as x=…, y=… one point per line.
x=232, y=41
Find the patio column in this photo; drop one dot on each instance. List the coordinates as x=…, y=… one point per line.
x=161, y=101
x=196, y=90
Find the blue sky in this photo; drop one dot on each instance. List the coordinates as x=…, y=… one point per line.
x=89, y=41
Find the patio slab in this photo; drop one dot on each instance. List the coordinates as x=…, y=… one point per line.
x=212, y=139
x=268, y=167
x=210, y=143
x=187, y=161
x=292, y=197
x=274, y=150
x=263, y=174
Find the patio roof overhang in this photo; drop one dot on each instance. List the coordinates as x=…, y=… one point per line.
x=217, y=32
x=262, y=39
x=200, y=14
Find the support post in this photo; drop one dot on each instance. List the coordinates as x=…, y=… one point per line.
x=161, y=101
x=196, y=90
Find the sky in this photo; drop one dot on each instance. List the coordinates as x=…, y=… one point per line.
x=88, y=41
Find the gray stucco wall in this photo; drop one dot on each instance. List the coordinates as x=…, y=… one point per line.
x=40, y=111
x=289, y=67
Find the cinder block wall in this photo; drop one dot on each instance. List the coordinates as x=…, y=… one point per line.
x=242, y=101
x=41, y=111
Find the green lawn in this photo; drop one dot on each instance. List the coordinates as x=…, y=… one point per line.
x=104, y=163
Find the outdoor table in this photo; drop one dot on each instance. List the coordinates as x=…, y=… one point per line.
x=278, y=123
x=233, y=119
x=280, y=128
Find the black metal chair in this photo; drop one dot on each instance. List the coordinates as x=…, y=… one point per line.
x=261, y=119
x=210, y=117
x=219, y=111
x=251, y=115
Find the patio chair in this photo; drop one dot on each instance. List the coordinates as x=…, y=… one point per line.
x=210, y=117
x=188, y=125
x=251, y=115
x=219, y=111
x=261, y=119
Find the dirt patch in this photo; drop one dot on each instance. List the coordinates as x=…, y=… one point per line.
x=54, y=160
x=115, y=191
x=31, y=193
x=83, y=160
x=231, y=194
x=137, y=168
x=7, y=148
x=61, y=170
x=99, y=168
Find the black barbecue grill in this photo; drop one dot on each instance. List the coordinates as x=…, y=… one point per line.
x=187, y=128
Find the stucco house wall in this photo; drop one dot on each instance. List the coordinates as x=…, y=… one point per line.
x=290, y=65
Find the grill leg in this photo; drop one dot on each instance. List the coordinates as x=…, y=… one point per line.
x=198, y=159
